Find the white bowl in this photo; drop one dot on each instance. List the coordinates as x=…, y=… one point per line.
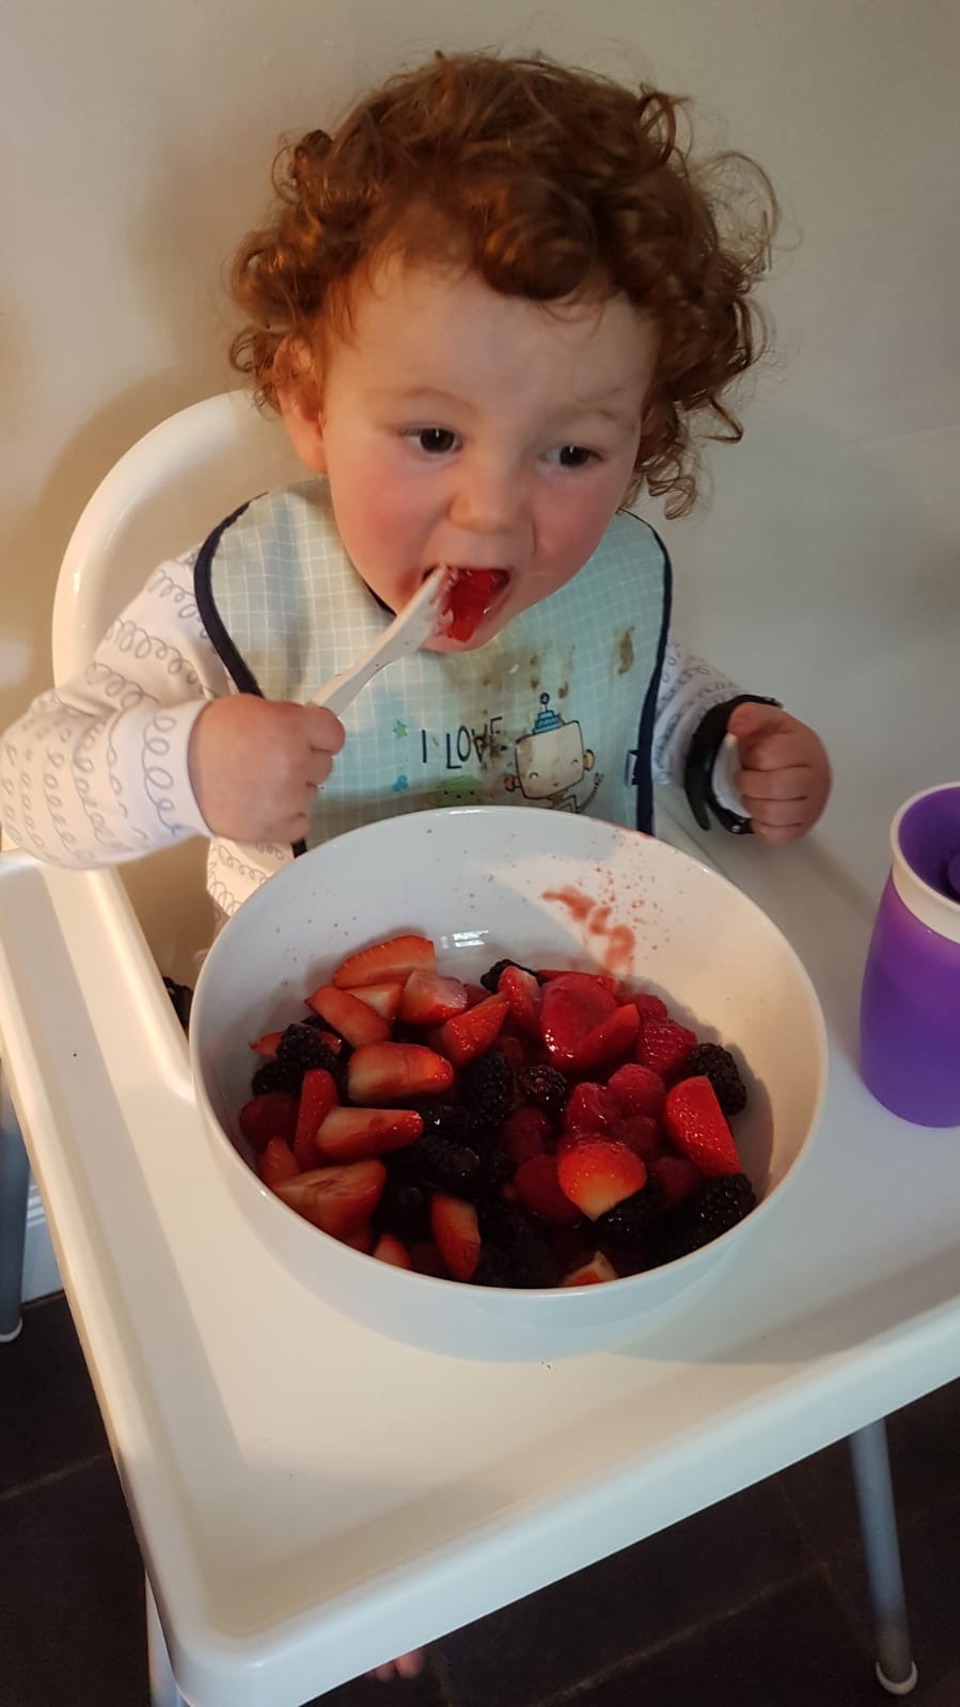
x=548, y=889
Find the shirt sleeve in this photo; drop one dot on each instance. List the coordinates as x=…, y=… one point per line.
x=95, y=771
x=689, y=687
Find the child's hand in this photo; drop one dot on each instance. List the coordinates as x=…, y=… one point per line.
x=255, y=766
x=784, y=776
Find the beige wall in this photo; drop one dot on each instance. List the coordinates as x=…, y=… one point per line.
x=135, y=140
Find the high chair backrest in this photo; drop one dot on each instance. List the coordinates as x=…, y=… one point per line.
x=164, y=495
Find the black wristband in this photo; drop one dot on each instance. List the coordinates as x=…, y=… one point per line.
x=705, y=744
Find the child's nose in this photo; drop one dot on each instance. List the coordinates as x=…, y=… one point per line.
x=489, y=498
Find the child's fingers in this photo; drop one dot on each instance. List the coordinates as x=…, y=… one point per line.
x=757, y=786
x=324, y=731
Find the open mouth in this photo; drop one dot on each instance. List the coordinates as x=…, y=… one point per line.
x=472, y=596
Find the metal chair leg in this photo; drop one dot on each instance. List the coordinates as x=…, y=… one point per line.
x=878, y=1529
x=163, y=1689
x=14, y=1189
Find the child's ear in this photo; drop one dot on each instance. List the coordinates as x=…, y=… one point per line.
x=298, y=395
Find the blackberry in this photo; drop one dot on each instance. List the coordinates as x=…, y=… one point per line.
x=300, y=1049
x=511, y=1242
x=545, y=1087
x=495, y=1165
x=491, y=978
x=450, y=1119
x=403, y=1208
x=487, y=1088
x=277, y=1076
x=714, y=1208
x=443, y=1164
x=629, y=1224
x=718, y=1065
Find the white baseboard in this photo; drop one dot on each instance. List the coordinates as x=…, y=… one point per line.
x=40, y=1272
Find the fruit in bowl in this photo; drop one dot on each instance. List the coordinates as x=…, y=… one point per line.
x=540, y=1128
x=600, y=1183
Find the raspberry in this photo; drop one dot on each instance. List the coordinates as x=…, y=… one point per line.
x=486, y=1086
x=545, y=1087
x=712, y=1062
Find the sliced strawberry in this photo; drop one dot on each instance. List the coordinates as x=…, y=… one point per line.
x=454, y=1225
x=694, y=1120
x=473, y=1032
x=384, y=1073
x=664, y=1046
x=317, y=1097
x=426, y=1259
x=267, y=1044
x=273, y=1115
x=430, y=999
x=525, y=1133
x=388, y=962
x=468, y=600
x=276, y=1163
x=348, y=1134
x=384, y=999
x=572, y=1005
x=596, y=1272
x=390, y=1249
x=475, y=993
x=649, y=1006
x=642, y=1135
x=362, y=1240
x=637, y=1090
x=591, y=1108
x=582, y=1025
x=353, y=1019
x=523, y=993
x=678, y=1176
x=337, y=1200
x=610, y=1041
x=603, y=980
x=598, y=1173
x=538, y=1187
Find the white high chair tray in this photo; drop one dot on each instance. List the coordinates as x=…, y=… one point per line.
x=310, y=1498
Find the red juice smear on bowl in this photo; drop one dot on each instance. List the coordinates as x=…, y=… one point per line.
x=617, y=953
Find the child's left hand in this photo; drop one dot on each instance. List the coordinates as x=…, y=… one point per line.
x=784, y=777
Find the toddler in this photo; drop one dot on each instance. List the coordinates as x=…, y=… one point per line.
x=496, y=303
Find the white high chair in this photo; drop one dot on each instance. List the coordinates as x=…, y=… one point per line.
x=166, y=493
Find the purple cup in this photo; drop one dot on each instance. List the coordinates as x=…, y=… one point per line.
x=910, y=1003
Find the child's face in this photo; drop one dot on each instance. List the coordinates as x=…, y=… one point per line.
x=462, y=427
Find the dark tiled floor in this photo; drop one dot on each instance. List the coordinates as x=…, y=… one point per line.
x=758, y=1602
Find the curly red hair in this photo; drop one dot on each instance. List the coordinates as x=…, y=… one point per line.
x=549, y=183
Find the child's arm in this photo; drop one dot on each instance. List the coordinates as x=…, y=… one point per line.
x=148, y=745
x=774, y=770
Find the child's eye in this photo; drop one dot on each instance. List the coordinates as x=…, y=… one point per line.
x=574, y=456
x=436, y=441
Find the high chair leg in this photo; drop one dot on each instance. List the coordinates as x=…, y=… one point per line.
x=163, y=1689
x=14, y=1188
x=878, y=1529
